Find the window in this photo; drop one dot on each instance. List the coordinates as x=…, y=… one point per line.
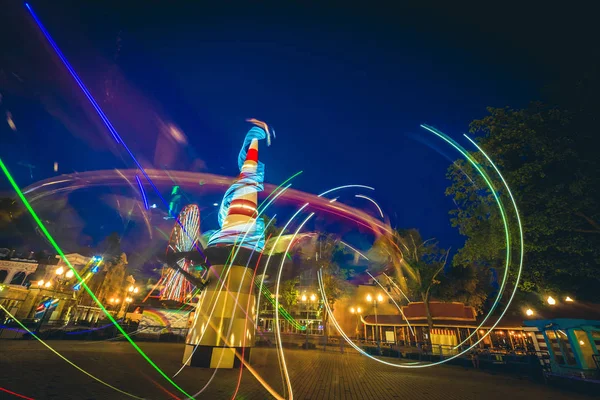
x=596, y=339
x=561, y=348
x=586, y=348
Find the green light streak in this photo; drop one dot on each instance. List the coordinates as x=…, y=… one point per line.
x=85, y=286
x=274, y=190
x=484, y=175
x=66, y=359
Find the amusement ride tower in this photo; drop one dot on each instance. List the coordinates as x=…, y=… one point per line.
x=222, y=332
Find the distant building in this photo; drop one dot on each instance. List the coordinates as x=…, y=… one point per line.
x=51, y=292
x=15, y=275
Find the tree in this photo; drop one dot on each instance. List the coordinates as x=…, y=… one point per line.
x=545, y=155
x=335, y=278
x=387, y=255
x=289, y=293
x=272, y=229
x=468, y=284
x=426, y=261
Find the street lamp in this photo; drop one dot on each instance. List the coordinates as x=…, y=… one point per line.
x=304, y=299
x=376, y=301
x=128, y=300
x=356, y=311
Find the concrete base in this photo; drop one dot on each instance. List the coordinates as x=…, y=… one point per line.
x=215, y=357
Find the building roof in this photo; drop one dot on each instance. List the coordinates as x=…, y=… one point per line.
x=439, y=310
x=448, y=314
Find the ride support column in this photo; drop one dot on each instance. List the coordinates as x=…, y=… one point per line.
x=223, y=328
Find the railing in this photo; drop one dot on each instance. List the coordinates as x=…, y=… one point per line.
x=596, y=358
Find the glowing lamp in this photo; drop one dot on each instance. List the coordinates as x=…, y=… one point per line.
x=135, y=290
x=551, y=300
x=117, y=301
x=131, y=288
x=569, y=299
x=358, y=310
x=129, y=299
x=41, y=282
x=352, y=310
x=369, y=298
x=379, y=298
x=59, y=271
x=313, y=297
x=581, y=342
x=303, y=297
x=112, y=300
x=529, y=312
x=48, y=284
x=69, y=274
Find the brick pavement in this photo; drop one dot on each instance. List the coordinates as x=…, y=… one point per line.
x=30, y=369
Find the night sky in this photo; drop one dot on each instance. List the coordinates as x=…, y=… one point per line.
x=344, y=88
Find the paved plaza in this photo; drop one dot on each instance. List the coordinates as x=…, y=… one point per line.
x=28, y=368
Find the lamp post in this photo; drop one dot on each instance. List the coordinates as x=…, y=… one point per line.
x=54, y=285
x=376, y=301
x=356, y=311
x=128, y=300
x=131, y=292
x=307, y=305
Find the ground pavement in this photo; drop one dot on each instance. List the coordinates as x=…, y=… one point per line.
x=28, y=368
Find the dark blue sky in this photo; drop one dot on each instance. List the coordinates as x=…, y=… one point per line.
x=345, y=89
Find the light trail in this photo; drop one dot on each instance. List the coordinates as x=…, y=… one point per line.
x=372, y=201
x=277, y=326
x=499, y=203
x=345, y=187
x=396, y=286
x=15, y=394
x=487, y=180
x=394, y=301
x=521, y=236
x=358, y=252
x=66, y=359
x=79, y=278
x=139, y=182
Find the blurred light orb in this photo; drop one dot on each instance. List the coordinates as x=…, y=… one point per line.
x=177, y=135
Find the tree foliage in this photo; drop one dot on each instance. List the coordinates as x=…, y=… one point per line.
x=425, y=261
x=335, y=278
x=289, y=293
x=545, y=155
x=272, y=229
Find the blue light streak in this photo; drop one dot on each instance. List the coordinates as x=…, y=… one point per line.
x=137, y=178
